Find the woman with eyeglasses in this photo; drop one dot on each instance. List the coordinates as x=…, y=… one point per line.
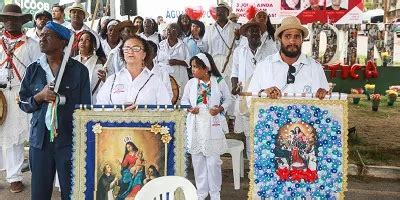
x=134, y=84
x=174, y=55
x=94, y=63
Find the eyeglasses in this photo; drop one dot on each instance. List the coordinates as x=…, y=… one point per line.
x=126, y=49
x=290, y=75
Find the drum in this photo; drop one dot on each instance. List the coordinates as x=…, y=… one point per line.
x=3, y=108
x=175, y=90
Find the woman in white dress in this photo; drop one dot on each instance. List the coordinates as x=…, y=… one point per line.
x=87, y=56
x=134, y=83
x=174, y=55
x=109, y=37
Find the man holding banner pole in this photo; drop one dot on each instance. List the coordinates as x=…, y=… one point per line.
x=52, y=106
x=289, y=71
x=222, y=38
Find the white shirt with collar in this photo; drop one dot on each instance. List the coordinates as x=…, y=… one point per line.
x=146, y=88
x=272, y=71
x=32, y=34
x=106, y=47
x=84, y=27
x=154, y=38
x=244, y=61
x=219, y=39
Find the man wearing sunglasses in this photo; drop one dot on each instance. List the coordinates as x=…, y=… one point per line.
x=289, y=71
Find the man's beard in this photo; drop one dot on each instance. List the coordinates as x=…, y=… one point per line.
x=291, y=54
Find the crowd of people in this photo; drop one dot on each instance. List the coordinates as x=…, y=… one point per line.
x=135, y=62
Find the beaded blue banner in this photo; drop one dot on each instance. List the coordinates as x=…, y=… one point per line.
x=116, y=153
x=300, y=149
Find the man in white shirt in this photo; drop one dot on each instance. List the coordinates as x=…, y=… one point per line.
x=221, y=38
x=17, y=51
x=77, y=14
x=245, y=58
x=41, y=18
x=57, y=12
x=289, y=71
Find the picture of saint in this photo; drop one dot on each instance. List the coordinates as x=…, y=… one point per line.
x=106, y=184
x=295, y=147
x=132, y=172
x=138, y=159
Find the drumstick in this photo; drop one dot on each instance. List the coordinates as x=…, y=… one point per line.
x=104, y=69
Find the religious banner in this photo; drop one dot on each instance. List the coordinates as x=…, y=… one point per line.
x=300, y=149
x=308, y=11
x=116, y=153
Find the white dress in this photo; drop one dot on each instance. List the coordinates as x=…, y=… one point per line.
x=93, y=64
x=14, y=130
x=205, y=133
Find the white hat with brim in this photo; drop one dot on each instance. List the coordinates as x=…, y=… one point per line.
x=291, y=22
x=76, y=6
x=224, y=5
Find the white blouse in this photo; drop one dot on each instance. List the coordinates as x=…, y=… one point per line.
x=145, y=89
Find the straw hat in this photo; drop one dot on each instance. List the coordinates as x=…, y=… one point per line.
x=244, y=27
x=224, y=5
x=291, y=22
x=13, y=10
x=76, y=6
x=233, y=15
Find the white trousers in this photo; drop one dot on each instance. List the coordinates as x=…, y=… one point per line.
x=11, y=159
x=208, y=175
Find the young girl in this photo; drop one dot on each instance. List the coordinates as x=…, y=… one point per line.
x=209, y=96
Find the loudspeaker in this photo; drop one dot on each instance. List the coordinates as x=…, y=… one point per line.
x=128, y=7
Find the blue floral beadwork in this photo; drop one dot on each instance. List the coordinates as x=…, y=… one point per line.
x=328, y=147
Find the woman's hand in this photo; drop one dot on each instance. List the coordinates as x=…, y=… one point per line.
x=131, y=107
x=102, y=75
x=194, y=110
x=176, y=62
x=216, y=110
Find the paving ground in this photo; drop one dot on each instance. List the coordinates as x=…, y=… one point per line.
x=358, y=188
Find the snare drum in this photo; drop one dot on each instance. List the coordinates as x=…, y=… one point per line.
x=3, y=108
x=175, y=90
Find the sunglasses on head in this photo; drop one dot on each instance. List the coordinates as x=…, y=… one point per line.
x=290, y=75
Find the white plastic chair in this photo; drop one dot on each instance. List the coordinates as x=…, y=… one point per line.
x=159, y=188
x=235, y=148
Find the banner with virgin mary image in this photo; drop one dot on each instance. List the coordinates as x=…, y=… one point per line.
x=299, y=149
x=116, y=153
